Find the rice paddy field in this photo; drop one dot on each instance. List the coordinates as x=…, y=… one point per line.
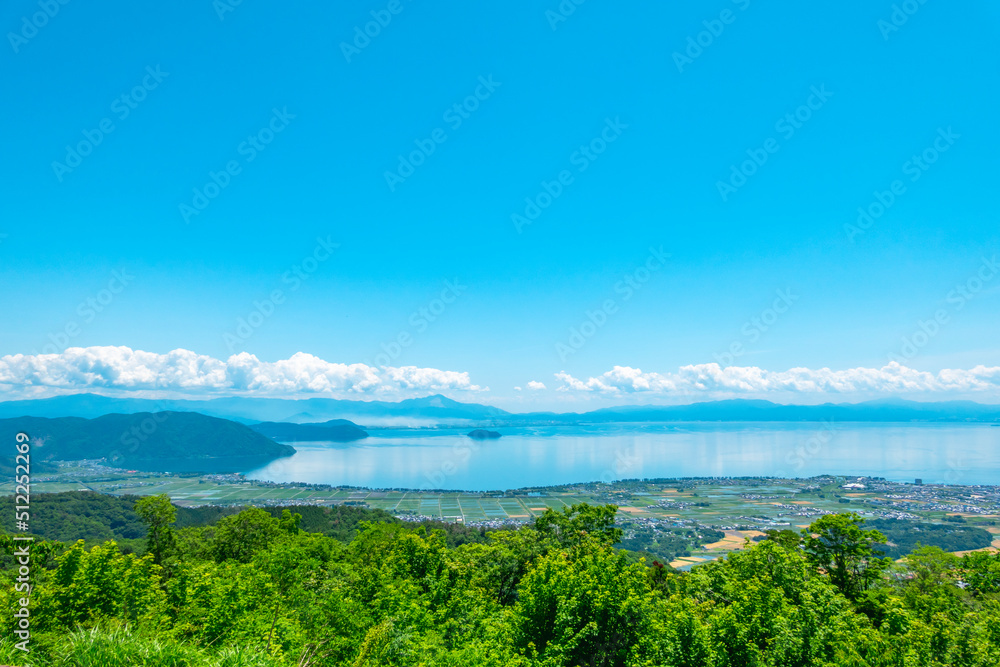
x=740, y=508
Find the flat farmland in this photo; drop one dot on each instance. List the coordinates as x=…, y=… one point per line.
x=739, y=508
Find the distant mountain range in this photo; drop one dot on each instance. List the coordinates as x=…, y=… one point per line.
x=739, y=410
x=439, y=410
x=427, y=411
x=148, y=441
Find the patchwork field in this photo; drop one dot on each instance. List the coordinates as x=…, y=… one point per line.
x=740, y=508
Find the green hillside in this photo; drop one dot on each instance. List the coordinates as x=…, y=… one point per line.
x=335, y=430
x=96, y=517
x=260, y=590
x=138, y=440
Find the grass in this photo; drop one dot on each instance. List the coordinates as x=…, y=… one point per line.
x=119, y=647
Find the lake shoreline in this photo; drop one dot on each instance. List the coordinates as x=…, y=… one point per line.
x=557, y=455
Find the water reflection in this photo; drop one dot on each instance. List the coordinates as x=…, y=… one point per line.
x=951, y=453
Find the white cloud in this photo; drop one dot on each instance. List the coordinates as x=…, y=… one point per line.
x=713, y=380
x=121, y=370
x=185, y=372
x=411, y=377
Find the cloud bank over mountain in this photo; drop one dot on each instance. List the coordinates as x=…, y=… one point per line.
x=712, y=379
x=122, y=370
x=186, y=372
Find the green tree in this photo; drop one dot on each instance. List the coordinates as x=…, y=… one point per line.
x=684, y=641
x=289, y=522
x=932, y=567
x=788, y=539
x=574, y=524
x=838, y=544
x=591, y=608
x=500, y=565
x=158, y=514
x=981, y=571
x=242, y=535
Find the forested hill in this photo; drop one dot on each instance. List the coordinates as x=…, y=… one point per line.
x=137, y=440
x=96, y=517
x=259, y=590
x=335, y=430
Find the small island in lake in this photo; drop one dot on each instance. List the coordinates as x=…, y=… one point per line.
x=483, y=434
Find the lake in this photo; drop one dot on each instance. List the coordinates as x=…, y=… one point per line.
x=546, y=456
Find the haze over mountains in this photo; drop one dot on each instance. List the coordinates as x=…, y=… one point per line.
x=440, y=410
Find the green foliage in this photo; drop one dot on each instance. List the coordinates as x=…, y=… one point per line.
x=95, y=517
x=981, y=572
x=586, y=607
x=575, y=524
x=240, y=536
x=499, y=567
x=905, y=536
x=788, y=539
x=78, y=515
x=662, y=543
x=158, y=515
x=838, y=544
x=261, y=589
x=289, y=522
x=91, y=586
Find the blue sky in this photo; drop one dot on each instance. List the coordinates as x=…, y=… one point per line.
x=643, y=140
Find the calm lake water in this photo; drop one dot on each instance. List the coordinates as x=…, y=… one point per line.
x=447, y=459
